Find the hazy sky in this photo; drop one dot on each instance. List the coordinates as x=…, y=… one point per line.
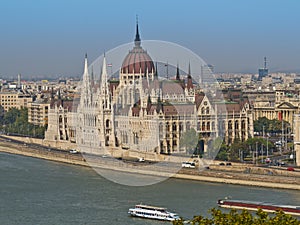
x=50, y=37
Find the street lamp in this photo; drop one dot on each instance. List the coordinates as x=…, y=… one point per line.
x=267, y=147
x=256, y=158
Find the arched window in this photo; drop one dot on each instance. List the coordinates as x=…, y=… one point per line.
x=180, y=127
x=207, y=110
x=236, y=125
x=202, y=110
x=243, y=124
x=203, y=126
x=208, y=126
x=229, y=125
x=167, y=126
x=174, y=127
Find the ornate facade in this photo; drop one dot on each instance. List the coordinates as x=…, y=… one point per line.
x=281, y=105
x=143, y=112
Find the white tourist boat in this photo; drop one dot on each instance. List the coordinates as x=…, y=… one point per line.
x=152, y=212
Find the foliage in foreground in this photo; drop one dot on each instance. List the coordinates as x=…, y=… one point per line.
x=243, y=218
x=15, y=121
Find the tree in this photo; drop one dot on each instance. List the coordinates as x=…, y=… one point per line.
x=236, y=147
x=15, y=121
x=273, y=126
x=189, y=140
x=223, y=152
x=243, y=218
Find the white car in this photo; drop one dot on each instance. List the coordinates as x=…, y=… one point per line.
x=73, y=151
x=188, y=165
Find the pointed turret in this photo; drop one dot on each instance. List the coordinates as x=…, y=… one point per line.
x=137, y=40
x=189, y=71
x=189, y=84
x=86, y=95
x=92, y=77
x=177, y=73
x=105, y=85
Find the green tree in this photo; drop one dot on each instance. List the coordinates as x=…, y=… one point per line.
x=241, y=218
x=223, y=152
x=273, y=126
x=15, y=121
x=189, y=140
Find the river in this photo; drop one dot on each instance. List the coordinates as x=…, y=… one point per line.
x=35, y=191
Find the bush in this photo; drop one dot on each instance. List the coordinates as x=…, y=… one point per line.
x=242, y=218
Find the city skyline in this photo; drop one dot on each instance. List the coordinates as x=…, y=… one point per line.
x=50, y=38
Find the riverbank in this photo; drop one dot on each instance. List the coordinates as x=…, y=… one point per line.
x=215, y=175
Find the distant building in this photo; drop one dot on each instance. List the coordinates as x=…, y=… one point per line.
x=14, y=100
x=38, y=112
x=263, y=72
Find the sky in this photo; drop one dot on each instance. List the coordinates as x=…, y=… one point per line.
x=50, y=37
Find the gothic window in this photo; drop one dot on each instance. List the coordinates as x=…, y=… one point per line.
x=243, y=124
x=180, y=127
x=207, y=110
x=174, y=143
x=208, y=126
x=161, y=130
x=174, y=127
x=213, y=125
x=236, y=125
x=202, y=110
x=107, y=124
x=203, y=126
x=135, y=138
x=167, y=126
x=229, y=125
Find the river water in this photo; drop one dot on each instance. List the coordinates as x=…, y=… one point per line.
x=35, y=191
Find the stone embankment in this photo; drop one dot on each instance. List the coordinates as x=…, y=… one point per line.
x=235, y=174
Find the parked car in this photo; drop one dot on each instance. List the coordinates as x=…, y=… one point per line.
x=141, y=159
x=188, y=165
x=290, y=169
x=268, y=160
x=73, y=151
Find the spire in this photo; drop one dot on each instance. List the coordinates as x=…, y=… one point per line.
x=86, y=77
x=59, y=95
x=92, y=77
x=104, y=74
x=137, y=40
x=85, y=65
x=177, y=73
x=105, y=85
x=189, y=71
x=189, y=79
x=155, y=73
x=145, y=69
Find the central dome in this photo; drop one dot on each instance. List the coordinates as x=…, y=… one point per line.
x=137, y=60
